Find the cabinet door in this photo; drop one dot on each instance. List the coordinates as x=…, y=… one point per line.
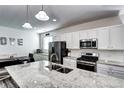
x=92, y=34
x=83, y=34
x=73, y=62
x=69, y=40
x=110, y=70
x=102, y=71
x=69, y=62
x=75, y=40
x=103, y=38
x=66, y=62
x=116, y=38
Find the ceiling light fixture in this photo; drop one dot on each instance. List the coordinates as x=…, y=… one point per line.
x=54, y=20
x=42, y=15
x=27, y=25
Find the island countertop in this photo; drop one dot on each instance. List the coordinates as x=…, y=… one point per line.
x=37, y=75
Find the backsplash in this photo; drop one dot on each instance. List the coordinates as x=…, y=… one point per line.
x=103, y=54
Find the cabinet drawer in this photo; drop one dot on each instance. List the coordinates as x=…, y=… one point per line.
x=69, y=62
x=102, y=71
x=108, y=67
x=114, y=71
x=102, y=66
x=118, y=74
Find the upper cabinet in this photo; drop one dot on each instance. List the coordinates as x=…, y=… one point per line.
x=92, y=33
x=88, y=34
x=103, y=38
x=69, y=40
x=111, y=38
x=75, y=40
x=83, y=35
x=116, y=37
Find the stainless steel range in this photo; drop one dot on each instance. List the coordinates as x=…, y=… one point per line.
x=87, y=61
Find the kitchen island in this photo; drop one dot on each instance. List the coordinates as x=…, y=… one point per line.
x=37, y=75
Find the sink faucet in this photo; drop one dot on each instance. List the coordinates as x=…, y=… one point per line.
x=54, y=54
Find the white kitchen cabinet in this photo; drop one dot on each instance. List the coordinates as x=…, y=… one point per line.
x=88, y=34
x=111, y=38
x=110, y=70
x=83, y=35
x=75, y=40
x=69, y=62
x=69, y=40
x=116, y=37
x=103, y=38
x=92, y=33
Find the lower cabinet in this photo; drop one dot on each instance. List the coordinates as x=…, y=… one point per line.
x=110, y=70
x=69, y=62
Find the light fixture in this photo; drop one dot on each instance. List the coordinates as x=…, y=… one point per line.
x=27, y=25
x=54, y=20
x=42, y=15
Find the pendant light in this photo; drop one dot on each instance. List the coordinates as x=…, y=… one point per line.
x=27, y=25
x=42, y=15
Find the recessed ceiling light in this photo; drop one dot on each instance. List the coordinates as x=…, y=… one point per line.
x=54, y=20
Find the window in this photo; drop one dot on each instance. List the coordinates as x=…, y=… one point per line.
x=46, y=41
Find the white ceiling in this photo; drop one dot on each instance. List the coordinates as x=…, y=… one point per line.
x=66, y=15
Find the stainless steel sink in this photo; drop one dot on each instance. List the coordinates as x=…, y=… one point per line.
x=65, y=70
x=54, y=67
x=60, y=69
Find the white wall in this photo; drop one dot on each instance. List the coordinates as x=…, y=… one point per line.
x=105, y=55
x=30, y=42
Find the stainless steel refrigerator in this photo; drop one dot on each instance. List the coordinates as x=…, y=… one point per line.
x=57, y=50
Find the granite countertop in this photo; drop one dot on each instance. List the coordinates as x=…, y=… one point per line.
x=35, y=75
x=109, y=62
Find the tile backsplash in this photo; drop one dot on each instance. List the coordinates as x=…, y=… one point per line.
x=103, y=54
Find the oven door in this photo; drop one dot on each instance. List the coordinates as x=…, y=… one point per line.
x=86, y=66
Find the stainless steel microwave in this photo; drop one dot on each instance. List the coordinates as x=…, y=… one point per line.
x=89, y=43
